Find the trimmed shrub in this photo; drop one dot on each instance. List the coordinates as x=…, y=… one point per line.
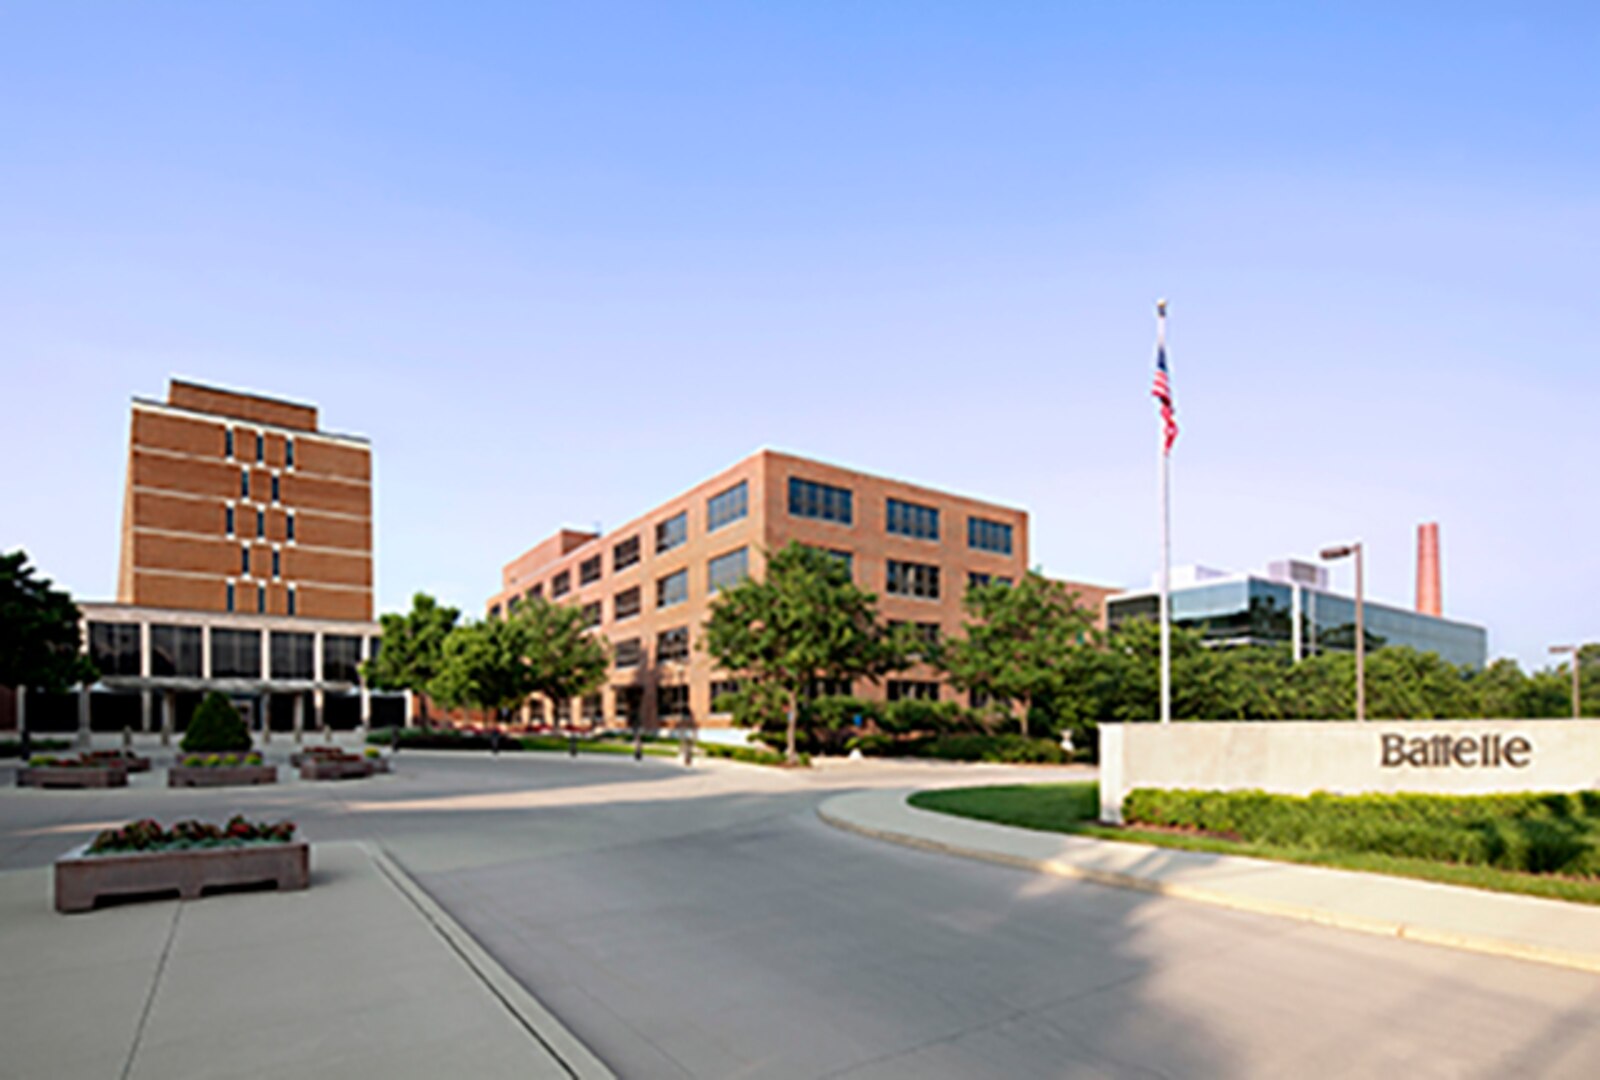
x=1533, y=833
x=995, y=749
x=750, y=755
x=216, y=728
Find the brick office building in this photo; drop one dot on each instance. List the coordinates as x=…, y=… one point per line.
x=648, y=585
x=245, y=567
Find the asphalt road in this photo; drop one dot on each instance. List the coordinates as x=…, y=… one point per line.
x=706, y=924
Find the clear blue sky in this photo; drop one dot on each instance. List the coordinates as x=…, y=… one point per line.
x=561, y=261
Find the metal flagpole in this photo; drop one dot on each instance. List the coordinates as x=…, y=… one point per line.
x=1166, y=537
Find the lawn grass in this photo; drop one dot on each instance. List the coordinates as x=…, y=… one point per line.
x=1072, y=808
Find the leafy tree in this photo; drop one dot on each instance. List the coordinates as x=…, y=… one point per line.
x=802, y=622
x=40, y=644
x=411, y=647
x=216, y=728
x=484, y=665
x=1016, y=640
x=564, y=661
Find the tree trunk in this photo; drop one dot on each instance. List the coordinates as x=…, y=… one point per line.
x=794, y=710
x=1027, y=706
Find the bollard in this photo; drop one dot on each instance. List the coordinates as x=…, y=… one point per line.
x=572, y=744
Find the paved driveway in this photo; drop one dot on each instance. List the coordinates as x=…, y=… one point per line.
x=706, y=924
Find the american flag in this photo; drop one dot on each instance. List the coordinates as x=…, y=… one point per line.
x=1161, y=390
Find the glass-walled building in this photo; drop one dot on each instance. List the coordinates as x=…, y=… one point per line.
x=1244, y=609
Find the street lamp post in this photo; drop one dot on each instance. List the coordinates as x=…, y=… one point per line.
x=1361, y=622
x=1576, y=686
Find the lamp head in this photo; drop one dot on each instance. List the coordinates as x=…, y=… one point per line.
x=1337, y=552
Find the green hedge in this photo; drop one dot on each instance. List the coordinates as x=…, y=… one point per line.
x=750, y=755
x=997, y=749
x=1533, y=833
x=13, y=747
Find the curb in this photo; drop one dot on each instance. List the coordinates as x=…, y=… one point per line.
x=1489, y=946
x=573, y=1056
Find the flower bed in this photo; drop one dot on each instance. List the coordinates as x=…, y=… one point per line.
x=69, y=772
x=142, y=858
x=308, y=753
x=131, y=762
x=221, y=770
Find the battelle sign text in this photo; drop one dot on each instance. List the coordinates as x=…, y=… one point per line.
x=1465, y=751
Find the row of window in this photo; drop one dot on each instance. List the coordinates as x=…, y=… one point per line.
x=261, y=447
x=673, y=700
x=291, y=596
x=230, y=522
x=811, y=499
x=244, y=486
x=672, y=646
x=178, y=651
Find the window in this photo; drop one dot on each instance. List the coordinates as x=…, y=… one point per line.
x=175, y=650
x=909, y=519
x=227, y=520
x=261, y=523
x=726, y=570
x=261, y=447
x=230, y=596
x=288, y=453
x=535, y=593
x=561, y=584
x=261, y=599
x=672, y=645
x=846, y=559
x=628, y=653
x=341, y=658
x=292, y=655
x=728, y=507
x=913, y=579
x=290, y=526
x=913, y=690
x=277, y=564
x=975, y=579
x=723, y=688
x=274, y=489
x=594, y=710
x=494, y=611
x=625, y=554
x=227, y=442
x=591, y=615
x=927, y=631
x=244, y=561
x=626, y=604
x=672, y=532
x=988, y=535
x=807, y=498
x=820, y=688
x=292, y=605
x=244, y=483
x=235, y=654
x=114, y=647
x=514, y=605
x=672, y=701
x=630, y=704
x=672, y=589
x=589, y=570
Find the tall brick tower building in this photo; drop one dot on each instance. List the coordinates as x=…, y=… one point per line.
x=239, y=503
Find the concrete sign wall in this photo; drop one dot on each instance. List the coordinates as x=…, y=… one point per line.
x=1456, y=757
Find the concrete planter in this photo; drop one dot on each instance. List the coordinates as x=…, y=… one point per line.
x=61, y=776
x=82, y=879
x=300, y=757
x=336, y=769
x=220, y=775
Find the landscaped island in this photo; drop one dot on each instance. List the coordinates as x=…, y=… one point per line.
x=221, y=770
x=72, y=772
x=1539, y=844
x=189, y=859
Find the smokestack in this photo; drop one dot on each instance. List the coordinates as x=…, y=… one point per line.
x=1430, y=600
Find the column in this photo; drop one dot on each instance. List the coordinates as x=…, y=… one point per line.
x=145, y=703
x=366, y=694
x=205, y=653
x=145, y=700
x=83, y=716
x=266, y=677
x=411, y=720
x=22, y=710
x=299, y=717
x=169, y=716
x=318, y=718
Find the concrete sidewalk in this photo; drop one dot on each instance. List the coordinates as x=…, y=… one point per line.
x=1499, y=924
x=360, y=975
